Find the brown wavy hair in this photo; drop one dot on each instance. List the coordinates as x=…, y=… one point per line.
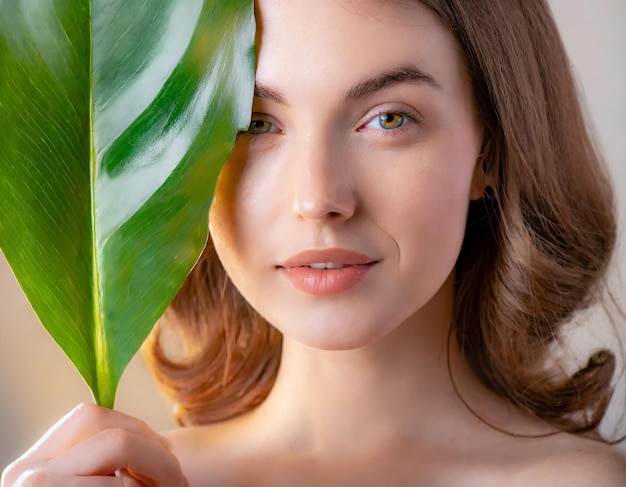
x=536, y=248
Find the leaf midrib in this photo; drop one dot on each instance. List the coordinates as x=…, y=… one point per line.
x=99, y=343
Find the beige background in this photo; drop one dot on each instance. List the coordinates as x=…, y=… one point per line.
x=37, y=383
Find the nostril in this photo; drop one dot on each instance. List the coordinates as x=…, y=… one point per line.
x=319, y=202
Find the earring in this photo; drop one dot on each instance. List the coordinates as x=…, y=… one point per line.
x=489, y=192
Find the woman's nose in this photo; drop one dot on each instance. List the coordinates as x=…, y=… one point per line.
x=323, y=184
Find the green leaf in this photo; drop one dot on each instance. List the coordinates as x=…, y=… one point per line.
x=115, y=119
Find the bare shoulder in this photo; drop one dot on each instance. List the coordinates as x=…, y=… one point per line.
x=196, y=441
x=207, y=453
x=584, y=463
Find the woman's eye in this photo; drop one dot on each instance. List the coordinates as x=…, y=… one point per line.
x=387, y=121
x=259, y=127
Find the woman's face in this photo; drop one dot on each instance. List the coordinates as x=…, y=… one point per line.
x=341, y=213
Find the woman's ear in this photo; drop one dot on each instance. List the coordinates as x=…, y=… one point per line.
x=483, y=180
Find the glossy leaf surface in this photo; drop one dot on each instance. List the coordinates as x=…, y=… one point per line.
x=115, y=119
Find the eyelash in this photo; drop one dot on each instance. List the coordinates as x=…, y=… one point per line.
x=259, y=117
x=408, y=118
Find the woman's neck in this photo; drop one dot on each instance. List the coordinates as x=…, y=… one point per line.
x=395, y=389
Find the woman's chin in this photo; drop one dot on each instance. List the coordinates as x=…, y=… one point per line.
x=335, y=335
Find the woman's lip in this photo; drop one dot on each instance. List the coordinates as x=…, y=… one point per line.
x=334, y=255
x=349, y=269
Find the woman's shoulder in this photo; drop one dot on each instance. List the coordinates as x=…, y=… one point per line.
x=212, y=453
x=575, y=462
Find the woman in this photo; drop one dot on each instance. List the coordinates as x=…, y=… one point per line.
x=417, y=209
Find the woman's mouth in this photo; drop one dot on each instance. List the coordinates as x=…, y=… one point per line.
x=327, y=272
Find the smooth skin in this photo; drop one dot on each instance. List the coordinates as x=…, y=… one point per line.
x=364, y=138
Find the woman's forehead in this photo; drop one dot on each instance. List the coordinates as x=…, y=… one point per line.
x=384, y=11
x=303, y=38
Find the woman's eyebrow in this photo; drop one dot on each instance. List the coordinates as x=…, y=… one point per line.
x=402, y=74
x=265, y=93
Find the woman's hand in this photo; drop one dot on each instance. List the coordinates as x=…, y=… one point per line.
x=94, y=446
